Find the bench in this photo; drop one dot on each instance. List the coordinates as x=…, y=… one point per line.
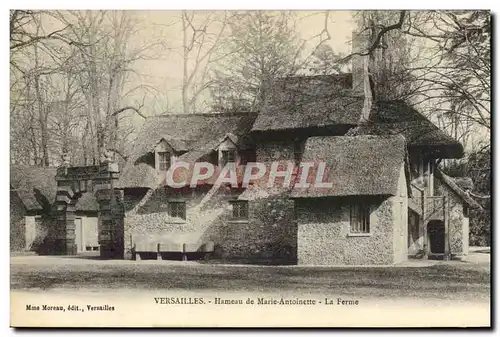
x=159, y=246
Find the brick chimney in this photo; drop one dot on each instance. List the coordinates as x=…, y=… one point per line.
x=359, y=43
x=360, y=69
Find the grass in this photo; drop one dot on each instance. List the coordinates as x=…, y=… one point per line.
x=445, y=280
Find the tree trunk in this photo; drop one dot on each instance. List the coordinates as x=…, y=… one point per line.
x=368, y=100
x=43, y=124
x=185, y=98
x=368, y=64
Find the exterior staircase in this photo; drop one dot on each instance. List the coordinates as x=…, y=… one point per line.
x=430, y=208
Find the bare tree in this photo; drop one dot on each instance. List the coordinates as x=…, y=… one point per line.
x=105, y=62
x=71, y=86
x=262, y=45
x=325, y=61
x=202, y=34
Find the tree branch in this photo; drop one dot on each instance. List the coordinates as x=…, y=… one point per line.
x=35, y=39
x=378, y=38
x=136, y=110
x=124, y=157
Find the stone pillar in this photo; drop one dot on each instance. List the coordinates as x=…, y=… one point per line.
x=110, y=213
x=424, y=226
x=62, y=235
x=446, y=221
x=71, y=183
x=111, y=224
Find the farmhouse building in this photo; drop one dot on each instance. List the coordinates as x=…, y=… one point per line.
x=387, y=200
x=32, y=196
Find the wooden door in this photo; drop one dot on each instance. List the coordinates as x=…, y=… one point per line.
x=80, y=245
x=436, y=237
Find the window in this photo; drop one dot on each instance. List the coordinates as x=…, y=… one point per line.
x=466, y=211
x=90, y=186
x=360, y=219
x=297, y=150
x=228, y=157
x=164, y=161
x=240, y=209
x=177, y=209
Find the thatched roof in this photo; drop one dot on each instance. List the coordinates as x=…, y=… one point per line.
x=397, y=117
x=355, y=165
x=36, y=186
x=137, y=175
x=87, y=202
x=308, y=102
x=191, y=135
x=187, y=132
x=452, y=184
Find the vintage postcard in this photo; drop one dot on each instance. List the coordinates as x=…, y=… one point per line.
x=250, y=168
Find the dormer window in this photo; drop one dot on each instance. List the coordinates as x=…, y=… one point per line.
x=298, y=149
x=163, y=160
x=228, y=156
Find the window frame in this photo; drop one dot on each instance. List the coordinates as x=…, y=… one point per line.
x=298, y=150
x=238, y=209
x=168, y=160
x=170, y=210
x=225, y=161
x=360, y=219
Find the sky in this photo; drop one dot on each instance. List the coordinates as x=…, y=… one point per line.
x=165, y=73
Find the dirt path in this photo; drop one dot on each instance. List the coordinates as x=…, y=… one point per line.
x=414, y=294
x=450, y=280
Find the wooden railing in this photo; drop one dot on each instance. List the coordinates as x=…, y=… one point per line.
x=430, y=208
x=415, y=202
x=435, y=207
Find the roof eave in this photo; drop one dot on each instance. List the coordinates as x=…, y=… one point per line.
x=445, y=151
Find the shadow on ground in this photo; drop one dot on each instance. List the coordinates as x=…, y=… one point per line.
x=444, y=280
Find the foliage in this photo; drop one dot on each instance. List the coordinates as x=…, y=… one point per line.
x=325, y=61
x=69, y=85
x=392, y=58
x=262, y=45
x=477, y=166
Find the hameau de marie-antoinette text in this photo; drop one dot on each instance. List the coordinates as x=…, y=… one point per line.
x=254, y=301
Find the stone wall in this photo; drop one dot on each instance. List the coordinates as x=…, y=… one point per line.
x=267, y=234
x=324, y=238
x=270, y=233
x=400, y=219
x=72, y=182
x=416, y=239
x=459, y=224
x=458, y=230
x=324, y=230
x=38, y=238
x=17, y=223
x=28, y=230
x=33, y=227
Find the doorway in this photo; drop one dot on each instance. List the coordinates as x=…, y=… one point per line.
x=435, y=231
x=79, y=239
x=86, y=234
